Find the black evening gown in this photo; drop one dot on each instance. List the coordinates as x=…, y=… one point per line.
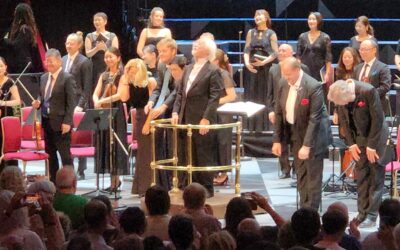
x=314, y=55
x=256, y=89
x=120, y=159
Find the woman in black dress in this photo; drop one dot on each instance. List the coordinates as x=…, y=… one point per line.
x=97, y=42
x=314, y=49
x=9, y=98
x=224, y=135
x=154, y=32
x=137, y=87
x=21, y=43
x=364, y=31
x=118, y=164
x=260, y=41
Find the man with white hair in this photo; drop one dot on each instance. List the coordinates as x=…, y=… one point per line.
x=274, y=77
x=302, y=121
x=80, y=67
x=196, y=103
x=362, y=119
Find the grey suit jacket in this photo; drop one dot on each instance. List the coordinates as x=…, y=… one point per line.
x=171, y=94
x=311, y=122
x=81, y=70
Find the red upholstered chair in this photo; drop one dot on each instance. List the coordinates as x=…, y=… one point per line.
x=82, y=140
x=11, y=129
x=396, y=165
x=28, y=138
x=133, y=145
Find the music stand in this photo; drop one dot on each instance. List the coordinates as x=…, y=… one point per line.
x=96, y=120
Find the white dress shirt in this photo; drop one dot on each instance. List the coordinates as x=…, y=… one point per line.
x=366, y=73
x=50, y=84
x=291, y=99
x=195, y=71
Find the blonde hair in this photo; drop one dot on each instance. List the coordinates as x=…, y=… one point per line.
x=141, y=77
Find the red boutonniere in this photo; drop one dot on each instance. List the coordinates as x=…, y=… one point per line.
x=304, y=102
x=361, y=104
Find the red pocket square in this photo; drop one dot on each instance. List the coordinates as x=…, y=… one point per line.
x=304, y=102
x=361, y=104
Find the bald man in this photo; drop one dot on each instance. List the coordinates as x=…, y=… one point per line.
x=302, y=121
x=274, y=76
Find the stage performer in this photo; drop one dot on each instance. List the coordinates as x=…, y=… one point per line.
x=364, y=31
x=154, y=32
x=261, y=41
x=97, y=42
x=102, y=97
x=314, y=48
x=366, y=132
x=374, y=72
x=196, y=103
x=274, y=77
x=303, y=122
x=80, y=67
x=57, y=103
x=20, y=44
x=136, y=89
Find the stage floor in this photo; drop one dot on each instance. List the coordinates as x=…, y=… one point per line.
x=257, y=174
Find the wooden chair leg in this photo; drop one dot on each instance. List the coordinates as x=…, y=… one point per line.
x=47, y=172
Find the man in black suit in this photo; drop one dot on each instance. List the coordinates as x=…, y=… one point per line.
x=374, y=71
x=362, y=119
x=196, y=103
x=80, y=67
x=274, y=77
x=57, y=90
x=302, y=121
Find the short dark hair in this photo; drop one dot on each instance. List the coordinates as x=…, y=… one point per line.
x=320, y=19
x=102, y=15
x=106, y=202
x=95, y=213
x=306, y=225
x=244, y=239
x=79, y=243
x=263, y=244
x=153, y=243
x=133, y=220
x=238, y=209
x=389, y=212
x=150, y=48
x=334, y=222
x=180, y=231
x=53, y=52
x=157, y=200
x=180, y=60
x=194, y=196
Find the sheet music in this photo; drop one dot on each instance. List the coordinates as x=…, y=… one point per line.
x=247, y=108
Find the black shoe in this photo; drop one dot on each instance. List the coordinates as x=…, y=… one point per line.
x=284, y=176
x=293, y=184
x=367, y=223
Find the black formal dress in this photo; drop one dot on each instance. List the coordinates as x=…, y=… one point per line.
x=57, y=107
x=22, y=50
x=138, y=98
x=5, y=95
x=99, y=66
x=314, y=55
x=256, y=89
x=311, y=128
x=364, y=124
x=119, y=158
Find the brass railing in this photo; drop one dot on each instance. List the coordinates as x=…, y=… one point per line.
x=189, y=168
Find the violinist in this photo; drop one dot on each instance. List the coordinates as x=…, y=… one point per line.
x=106, y=94
x=57, y=103
x=9, y=95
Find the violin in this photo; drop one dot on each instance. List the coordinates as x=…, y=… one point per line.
x=109, y=90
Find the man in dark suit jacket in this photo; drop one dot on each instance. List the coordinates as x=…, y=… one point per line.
x=362, y=119
x=302, y=121
x=274, y=77
x=374, y=71
x=80, y=67
x=196, y=103
x=57, y=93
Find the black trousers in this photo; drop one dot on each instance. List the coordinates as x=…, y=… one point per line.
x=370, y=182
x=284, y=159
x=55, y=141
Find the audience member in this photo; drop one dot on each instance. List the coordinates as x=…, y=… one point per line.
x=157, y=203
x=132, y=242
x=249, y=225
x=263, y=245
x=65, y=199
x=221, y=240
x=333, y=225
x=389, y=215
x=79, y=243
x=194, y=199
x=286, y=238
x=132, y=221
x=153, y=243
x=306, y=226
x=95, y=214
x=181, y=232
x=12, y=179
x=237, y=209
x=245, y=239
x=14, y=223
